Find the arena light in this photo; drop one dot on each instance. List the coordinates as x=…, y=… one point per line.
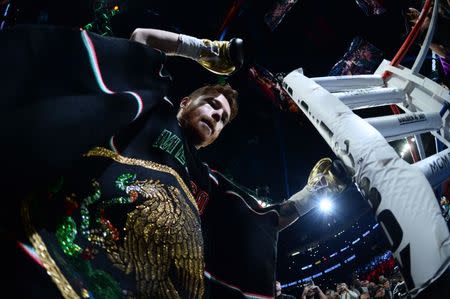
x=306, y=267
x=325, y=205
x=345, y=248
x=350, y=258
x=405, y=149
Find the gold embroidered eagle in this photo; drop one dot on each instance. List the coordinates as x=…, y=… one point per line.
x=162, y=244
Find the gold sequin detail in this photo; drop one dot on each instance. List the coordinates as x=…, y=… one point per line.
x=52, y=269
x=163, y=244
x=104, y=152
x=162, y=235
x=162, y=232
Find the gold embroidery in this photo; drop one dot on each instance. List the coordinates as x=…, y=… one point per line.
x=163, y=244
x=52, y=269
x=103, y=152
x=163, y=235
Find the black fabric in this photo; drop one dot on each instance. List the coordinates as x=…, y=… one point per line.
x=240, y=244
x=53, y=109
x=79, y=182
x=27, y=279
x=51, y=100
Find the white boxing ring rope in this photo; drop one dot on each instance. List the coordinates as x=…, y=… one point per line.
x=401, y=195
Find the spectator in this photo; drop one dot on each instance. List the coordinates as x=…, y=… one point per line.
x=278, y=293
x=312, y=292
x=387, y=287
x=344, y=292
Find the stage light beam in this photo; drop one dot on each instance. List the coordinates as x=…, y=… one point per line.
x=325, y=205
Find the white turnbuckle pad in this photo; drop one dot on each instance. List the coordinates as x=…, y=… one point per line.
x=400, y=194
x=422, y=95
x=394, y=127
x=370, y=97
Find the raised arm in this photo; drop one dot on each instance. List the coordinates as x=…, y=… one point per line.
x=326, y=175
x=219, y=57
x=165, y=41
x=296, y=206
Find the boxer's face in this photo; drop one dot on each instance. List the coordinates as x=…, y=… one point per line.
x=204, y=117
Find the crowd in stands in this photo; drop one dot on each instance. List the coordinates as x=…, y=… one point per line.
x=379, y=278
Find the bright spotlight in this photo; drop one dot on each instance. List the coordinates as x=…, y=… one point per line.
x=325, y=205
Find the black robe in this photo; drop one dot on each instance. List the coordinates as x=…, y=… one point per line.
x=109, y=217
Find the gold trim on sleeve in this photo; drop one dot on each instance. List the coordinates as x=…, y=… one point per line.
x=52, y=269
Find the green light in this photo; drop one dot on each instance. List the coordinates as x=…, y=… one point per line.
x=104, y=10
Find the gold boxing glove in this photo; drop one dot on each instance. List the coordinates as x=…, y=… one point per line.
x=332, y=175
x=222, y=57
x=219, y=57
x=326, y=176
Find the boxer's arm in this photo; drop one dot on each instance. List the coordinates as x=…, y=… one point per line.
x=295, y=207
x=165, y=41
x=220, y=57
